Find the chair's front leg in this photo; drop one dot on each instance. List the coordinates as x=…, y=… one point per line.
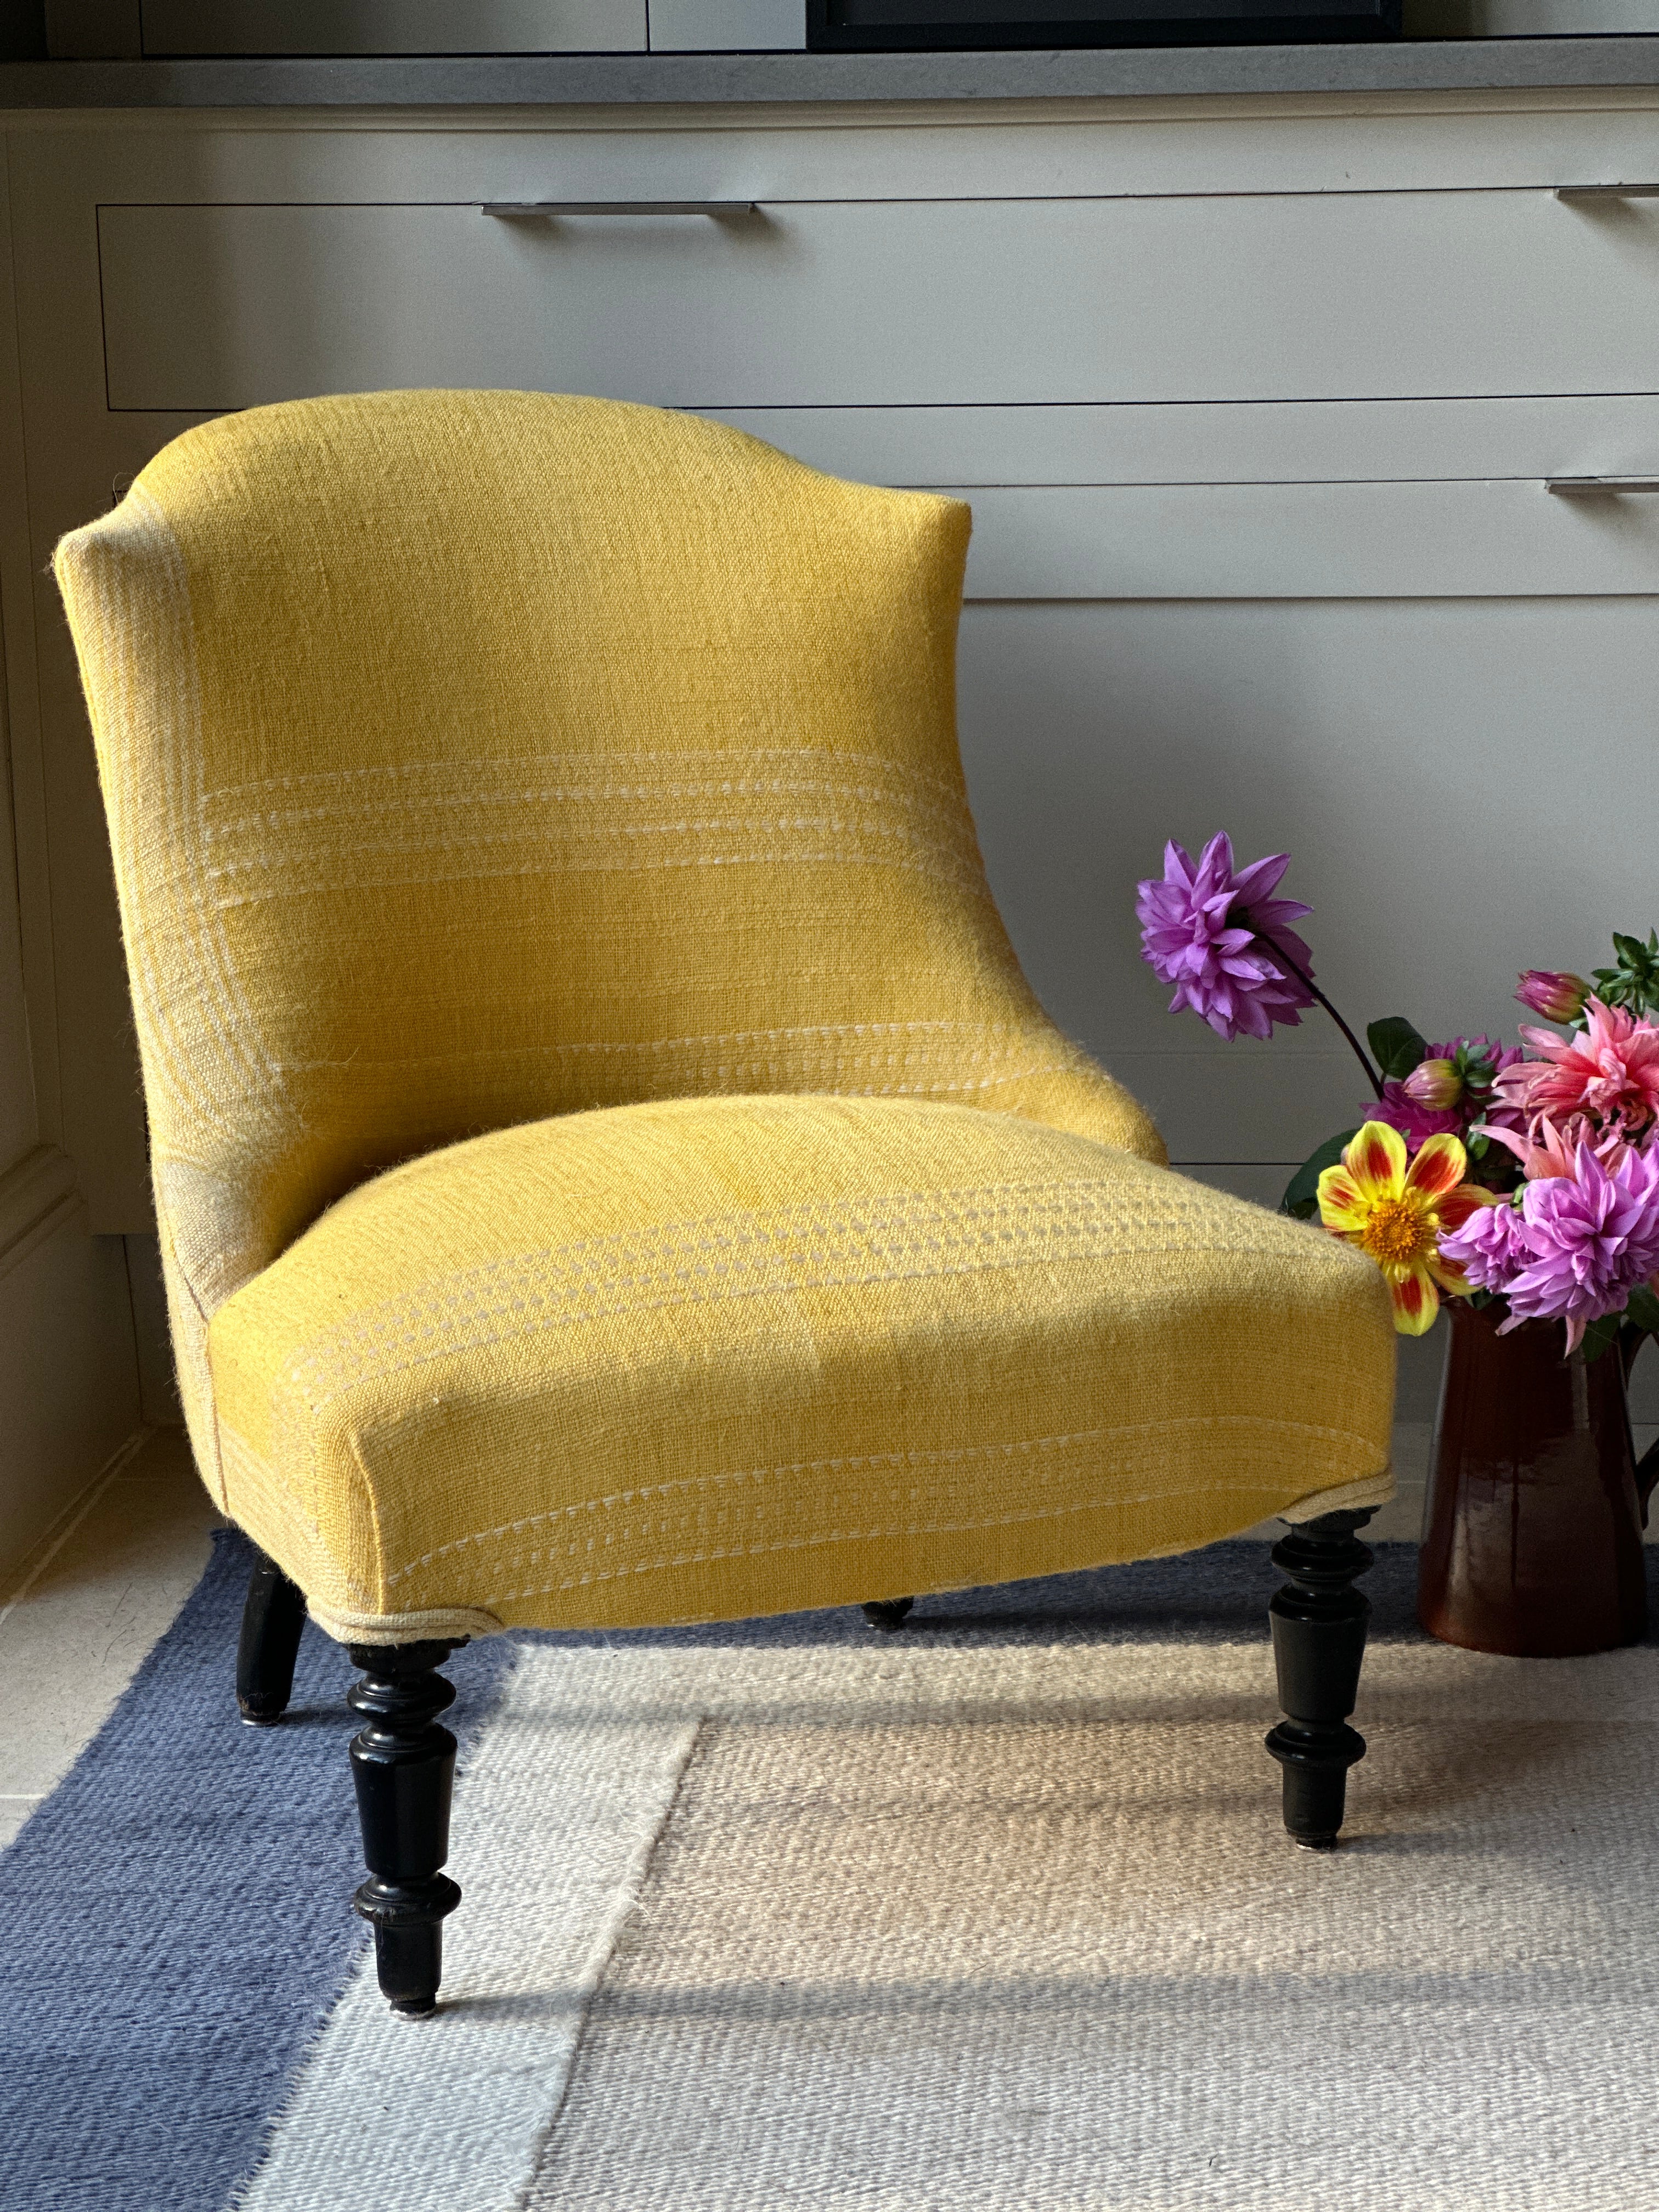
x=404, y=1765
x=1319, y=1621
x=273, y=1614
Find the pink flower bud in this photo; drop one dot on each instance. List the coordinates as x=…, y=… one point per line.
x=1436, y=1085
x=1554, y=993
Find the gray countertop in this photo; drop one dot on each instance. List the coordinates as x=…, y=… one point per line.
x=636, y=80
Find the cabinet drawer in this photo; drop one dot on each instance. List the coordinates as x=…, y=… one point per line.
x=1332, y=500
x=1273, y=442
x=1248, y=297
x=1322, y=541
x=1312, y=500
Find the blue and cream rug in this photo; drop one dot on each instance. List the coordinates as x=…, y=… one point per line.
x=992, y=1915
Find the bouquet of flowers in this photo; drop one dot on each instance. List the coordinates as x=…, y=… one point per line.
x=1528, y=1174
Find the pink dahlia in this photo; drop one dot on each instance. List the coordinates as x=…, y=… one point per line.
x=1551, y=1148
x=1201, y=927
x=1609, y=1073
x=1584, y=1243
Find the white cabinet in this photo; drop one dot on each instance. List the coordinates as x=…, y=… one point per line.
x=1028, y=302
x=1254, y=404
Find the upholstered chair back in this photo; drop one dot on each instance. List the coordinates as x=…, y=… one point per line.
x=471, y=757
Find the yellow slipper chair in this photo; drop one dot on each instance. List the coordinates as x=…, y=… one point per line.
x=610, y=1167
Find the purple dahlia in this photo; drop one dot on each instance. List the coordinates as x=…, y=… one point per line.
x=1491, y=1247
x=1202, y=927
x=1578, y=1247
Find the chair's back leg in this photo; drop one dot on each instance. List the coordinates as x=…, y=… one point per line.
x=273, y=1617
x=1319, y=1622
x=404, y=1765
x=887, y=1612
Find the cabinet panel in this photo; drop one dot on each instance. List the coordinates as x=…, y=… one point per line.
x=1330, y=442
x=19, y=1122
x=394, y=27
x=1059, y=150
x=680, y=26
x=1463, y=787
x=1247, y=297
x=1318, y=541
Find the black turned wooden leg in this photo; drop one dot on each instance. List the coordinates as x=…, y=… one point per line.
x=887, y=1612
x=404, y=1765
x=1319, y=1623
x=273, y=1617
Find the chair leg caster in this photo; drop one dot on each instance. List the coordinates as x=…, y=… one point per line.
x=1319, y=1623
x=402, y=1764
x=887, y=1612
x=1315, y=1782
x=273, y=1614
x=409, y=1940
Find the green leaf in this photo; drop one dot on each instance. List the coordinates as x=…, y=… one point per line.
x=1633, y=981
x=1599, y=1335
x=1397, y=1047
x=1643, y=1311
x=1302, y=1193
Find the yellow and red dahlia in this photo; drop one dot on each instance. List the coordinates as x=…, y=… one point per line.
x=1398, y=1213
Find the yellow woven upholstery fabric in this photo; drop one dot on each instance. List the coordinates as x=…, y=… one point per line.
x=712, y=1358
x=488, y=762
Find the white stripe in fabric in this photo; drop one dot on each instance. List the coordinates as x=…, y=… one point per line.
x=556, y=1814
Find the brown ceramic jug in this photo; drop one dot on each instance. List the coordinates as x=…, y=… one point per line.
x=1531, y=1530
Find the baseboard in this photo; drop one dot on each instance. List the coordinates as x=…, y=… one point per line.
x=22, y=1574
x=158, y=1375
x=68, y=1369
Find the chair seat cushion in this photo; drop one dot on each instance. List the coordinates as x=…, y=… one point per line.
x=711, y=1358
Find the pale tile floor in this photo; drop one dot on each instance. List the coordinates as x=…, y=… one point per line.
x=74, y=1624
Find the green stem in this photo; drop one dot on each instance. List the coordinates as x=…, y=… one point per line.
x=1308, y=984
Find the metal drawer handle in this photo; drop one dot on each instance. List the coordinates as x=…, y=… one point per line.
x=715, y=208
x=1607, y=191
x=1597, y=487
